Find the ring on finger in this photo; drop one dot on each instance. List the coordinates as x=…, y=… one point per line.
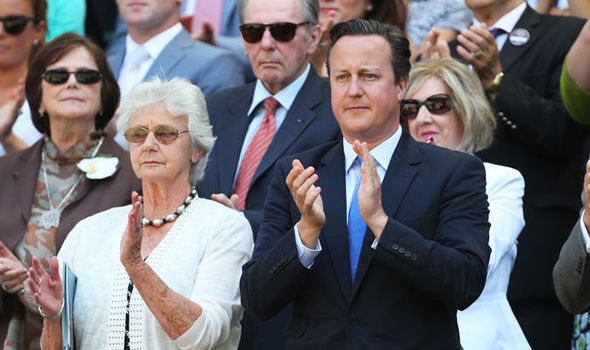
x=139, y=227
x=4, y=287
x=479, y=54
x=21, y=292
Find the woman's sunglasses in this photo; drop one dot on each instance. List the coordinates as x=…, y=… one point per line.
x=435, y=104
x=282, y=31
x=83, y=76
x=164, y=134
x=14, y=25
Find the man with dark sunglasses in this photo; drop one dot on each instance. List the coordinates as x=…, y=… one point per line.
x=376, y=239
x=285, y=111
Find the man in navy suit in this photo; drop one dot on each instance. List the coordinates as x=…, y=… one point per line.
x=304, y=117
x=303, y=120
x=378, y=253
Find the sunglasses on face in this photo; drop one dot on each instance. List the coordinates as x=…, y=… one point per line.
x=282, y=31
x=435, y=104
x=83, y=76
x=164, y=134
x=15, y=25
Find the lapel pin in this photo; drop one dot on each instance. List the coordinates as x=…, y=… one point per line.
x=299, y=120
x=519, y=37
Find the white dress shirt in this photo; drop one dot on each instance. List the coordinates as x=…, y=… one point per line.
x=382, y=154
x=507, y=23
x=285, y=97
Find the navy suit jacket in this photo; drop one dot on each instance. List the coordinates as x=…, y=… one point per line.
x=430, y=261
x=308, y=123
x=211, y=68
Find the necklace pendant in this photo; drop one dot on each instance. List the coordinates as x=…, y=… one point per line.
x=50, y=219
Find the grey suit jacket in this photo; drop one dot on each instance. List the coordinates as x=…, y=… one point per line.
x=571, y=274
x=211, y=68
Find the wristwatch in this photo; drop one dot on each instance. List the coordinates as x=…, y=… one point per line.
x=492, y=89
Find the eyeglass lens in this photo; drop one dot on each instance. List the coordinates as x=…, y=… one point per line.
x=15, y=25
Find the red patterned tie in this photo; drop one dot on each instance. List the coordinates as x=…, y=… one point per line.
x=256, y=151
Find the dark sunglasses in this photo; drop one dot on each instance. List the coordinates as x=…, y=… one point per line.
x=15, y=25
x=282, y=31
x=164, y=134
x=83, y=76
x=435, y=104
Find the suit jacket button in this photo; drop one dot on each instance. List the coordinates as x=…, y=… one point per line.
x=500, y=114
x=413, y=257
x=395, y=247
x=513, y=126
x=402, y=250
x=353, y=320
x=408, y=253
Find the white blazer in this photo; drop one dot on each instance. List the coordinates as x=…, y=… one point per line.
x=489, y=322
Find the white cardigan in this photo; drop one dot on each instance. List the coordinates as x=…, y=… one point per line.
x=489, y=322
x=200, y=258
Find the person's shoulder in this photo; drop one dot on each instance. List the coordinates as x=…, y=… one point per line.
x=7, y=162
x=499, y=176
x=564, y=26
x=218, y=214
x=313, y=156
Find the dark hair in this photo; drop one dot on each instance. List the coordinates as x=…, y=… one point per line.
x=399, y=54
x=392, y=12
x=53, y=52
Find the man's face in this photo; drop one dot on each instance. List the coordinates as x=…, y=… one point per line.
x=365, y=98
x=275, y=63
x=149, y=14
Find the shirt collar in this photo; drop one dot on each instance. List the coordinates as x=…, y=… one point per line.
x=382, y=153
x=509, y=20
x=155, y=45
x=285, y=97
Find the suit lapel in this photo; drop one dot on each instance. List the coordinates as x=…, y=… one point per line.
x=299, y=116
x=401, y=171
x=170, y=55
x=510, y=53
x=116, y=61
x=334, y=237
x=228, y=153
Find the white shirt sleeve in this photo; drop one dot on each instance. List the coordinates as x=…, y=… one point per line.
x=306, y=255
x=585, y=238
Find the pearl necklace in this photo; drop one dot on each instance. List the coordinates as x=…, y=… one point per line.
x=171, y=217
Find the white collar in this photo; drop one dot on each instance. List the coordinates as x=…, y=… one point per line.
x=509, y=20
x=285, y=97
x=382, y=152
x=156, y=44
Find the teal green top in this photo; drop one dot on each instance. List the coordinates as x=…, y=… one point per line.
x=64, y=16
x=576, y=100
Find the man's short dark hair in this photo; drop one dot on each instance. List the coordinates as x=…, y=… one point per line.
x=399, y=45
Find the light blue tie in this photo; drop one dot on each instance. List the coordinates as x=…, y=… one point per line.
x=356, y=226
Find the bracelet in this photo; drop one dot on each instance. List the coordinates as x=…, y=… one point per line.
x=51, y=317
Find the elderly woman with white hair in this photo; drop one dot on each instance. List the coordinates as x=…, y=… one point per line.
x=163, y=272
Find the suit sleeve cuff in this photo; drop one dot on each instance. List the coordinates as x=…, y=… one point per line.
x=306, y=256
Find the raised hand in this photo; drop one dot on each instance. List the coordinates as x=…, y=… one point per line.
x=9, y=110
x=478, y=48
x=309, y=202
x=206, y=33
x=46, y=289
x=12, y=271
x=433, y=48
x=131, y=240
x=369, y=195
